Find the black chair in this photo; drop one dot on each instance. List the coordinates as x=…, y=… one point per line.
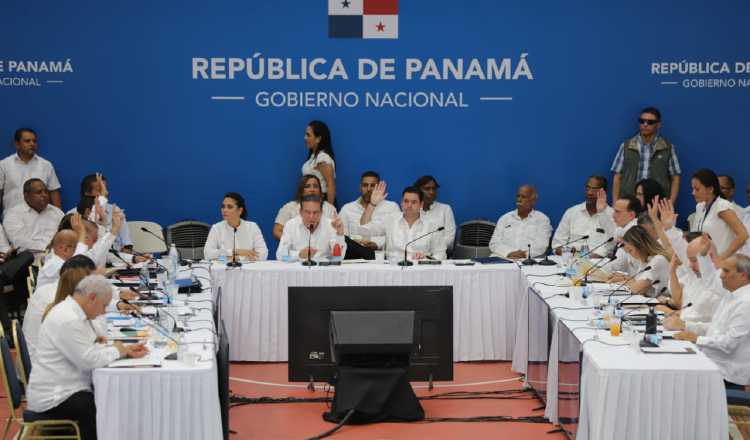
x=473, y=239
x=189, y=237
x=30, y=425
x=23, y=352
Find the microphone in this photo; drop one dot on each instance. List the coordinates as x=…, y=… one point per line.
x=117, y=254
x=154, y=325
x=528, y=261
x=617, y=247
x=627, y=280
x=549, y=249
x=609, y=240
x=594, y=267
x=309, y=262
x=405, y=261
x=234, y=262
x=547, y=261
x=183, y=262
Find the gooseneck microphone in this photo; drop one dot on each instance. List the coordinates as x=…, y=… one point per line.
x=183, y=262
x=405, y=262
x=309, y=262
x=234, y=262
x=627, y=280
x=119, y=257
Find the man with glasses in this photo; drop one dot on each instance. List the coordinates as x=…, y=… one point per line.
x=646, y=155
x=592, y=217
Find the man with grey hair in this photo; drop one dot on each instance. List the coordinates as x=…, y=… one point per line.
x=726, y=339
x=523, y=226
x=67, y=352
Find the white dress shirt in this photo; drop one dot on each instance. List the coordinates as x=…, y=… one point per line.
x=65, y=356
x=221, y=240
x=439, y=215
x=291, y=210
x=30, y=230
x=398, y=233
x=99, y=252
x=726, y=339
x=623, y=262
x=659, y=271
x=352, y=212
x=14, y=173
x=296, y=236
x=512, y=233
x=50, y=271
x=721, y=234
x=700, y=293
x=309, y=167
x=577, y=222
x=32, y=318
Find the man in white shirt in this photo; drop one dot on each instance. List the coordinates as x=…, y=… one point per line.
x=65, y=244
x=401, y=229
x=68, y=349
x=726, y=339
x=25, y=164
x=351, y=213
x=591, y=218
x=516, y=230
x=309, y=234
x=32, y=224
x=625, y=213
x=439, y=214
x=96, y=186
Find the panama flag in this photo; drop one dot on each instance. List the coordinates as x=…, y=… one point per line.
x=363, y=19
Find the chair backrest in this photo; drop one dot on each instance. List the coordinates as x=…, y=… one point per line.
x=145, y=242
x=476, y=232
x=222, y=360
x=23, y=351
x=189, y=237
x=13, y=387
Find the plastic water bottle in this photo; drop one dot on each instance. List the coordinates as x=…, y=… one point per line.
x=143, y=280
x=585, y=249
x=181, y=347
x=174, y=262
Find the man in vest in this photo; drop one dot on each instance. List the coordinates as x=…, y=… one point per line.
x=646, y=155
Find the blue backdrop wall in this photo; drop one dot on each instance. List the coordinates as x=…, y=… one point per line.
x=131, y=104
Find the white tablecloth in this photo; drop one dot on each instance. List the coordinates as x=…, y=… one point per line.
x=171, y=402
x=254, y=303
x=626, y=394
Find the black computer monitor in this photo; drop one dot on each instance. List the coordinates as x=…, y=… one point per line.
x=309, y=320
x=570, y=352
x=540, y=336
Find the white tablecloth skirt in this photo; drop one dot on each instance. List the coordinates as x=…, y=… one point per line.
x=171, y=402
x=254, y=303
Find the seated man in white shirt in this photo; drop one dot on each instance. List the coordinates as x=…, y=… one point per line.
x=351, y=213
x=402, y=228
x=65, y=244
x=308, y=185
x=32, y=224
x=68, y=349
x=726, y=340
x=625, y=213
x=516, y=230
x=439, y=214
x=96, y=186
x=310, y=235
x=23, y=165
x=591, y=218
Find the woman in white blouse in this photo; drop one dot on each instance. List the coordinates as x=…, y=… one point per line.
x=715, y=215
x=320, y=160
x=249, y=244
x=647, y=252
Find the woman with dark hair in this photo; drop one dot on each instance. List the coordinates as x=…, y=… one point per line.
x=646, y=251
x=234, y=235
x=438, y=213
x=715, y=216
x=308, y=185
x=646, y=190
x=320, y=159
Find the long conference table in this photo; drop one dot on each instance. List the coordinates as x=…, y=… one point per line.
x=623, y=393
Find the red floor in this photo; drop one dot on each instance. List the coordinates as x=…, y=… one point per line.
x=303, y=420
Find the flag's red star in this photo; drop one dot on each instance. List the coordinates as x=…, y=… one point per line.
x=380, y=26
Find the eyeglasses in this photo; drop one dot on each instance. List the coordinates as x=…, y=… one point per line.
x=648, y=121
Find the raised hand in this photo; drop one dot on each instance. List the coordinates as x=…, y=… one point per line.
x=674, y=263
x=102, y=185
x=379, y=194
x=653, y=212
x=78, y=226
x=118, y=218
x=667, y=214
x=601, y=200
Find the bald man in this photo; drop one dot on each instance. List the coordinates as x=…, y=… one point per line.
x=524, y=226
x=65, y=244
